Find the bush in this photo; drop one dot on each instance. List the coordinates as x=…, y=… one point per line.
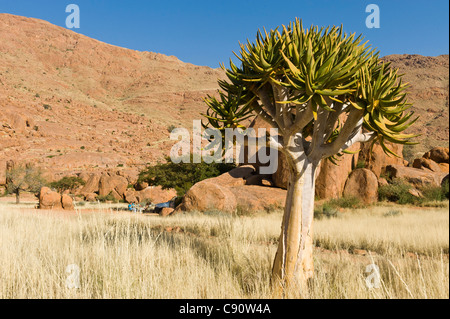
x=344, y=202
x=445, y=189
x=392, y=213
x=108, y=198
x=396, y=192
x=243, y=210
x=181, y=176
x=331, y=208
x=170, y=128
x=325, y=211
x=360, y=164
x=436, y=193
x=67, y=183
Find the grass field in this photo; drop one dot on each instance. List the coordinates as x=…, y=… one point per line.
x=122, y=255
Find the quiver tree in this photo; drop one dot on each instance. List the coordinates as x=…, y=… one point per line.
x=324, y=91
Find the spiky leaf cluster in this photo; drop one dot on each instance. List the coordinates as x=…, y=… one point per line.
x=319, y=68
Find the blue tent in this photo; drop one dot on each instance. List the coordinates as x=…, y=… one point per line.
x=163, y=205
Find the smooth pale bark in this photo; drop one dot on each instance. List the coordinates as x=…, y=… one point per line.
x=293, y=264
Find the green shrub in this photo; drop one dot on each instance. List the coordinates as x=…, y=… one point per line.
x=146, y=201
x=435, y=193
x=108, y=198
x=344, y=202
x=445, y=189
x=360, y=164
x=396, y=192
x=67, y=183
x=273, y=208
x=170, y=128
x=331, y=208
x=392, y=213
x=325, y=211
x=181, y=176
x=243, y=210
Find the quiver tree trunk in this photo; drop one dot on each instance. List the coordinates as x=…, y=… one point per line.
x=293, y=264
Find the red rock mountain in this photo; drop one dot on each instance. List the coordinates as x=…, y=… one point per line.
x=71, y=103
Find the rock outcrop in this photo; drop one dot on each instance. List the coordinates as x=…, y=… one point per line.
x=67, y=202
x=49, y=199
x=436, y=160
x=2, y=172
x=418, y=177
x=362, y=184
x=229, y=193
x=377, y=160
x=206, y=195
x=155, y=194
x=331, y=178
x=91, y=185
x=112, y=184
x=425, y=163
x=438, y=155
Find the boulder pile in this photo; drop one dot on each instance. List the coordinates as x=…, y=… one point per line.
x=230, y=192
x=49, y=199
x=117, y=184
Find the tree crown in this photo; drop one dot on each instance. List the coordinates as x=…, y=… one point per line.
x=323, y=86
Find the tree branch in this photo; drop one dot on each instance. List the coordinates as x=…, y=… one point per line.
x=265, y=116
x=332, y=119
x=351, y=128
x=303, y=116
x=268, y=105
x=281, y=94
x=318, y=137
x=358, y=138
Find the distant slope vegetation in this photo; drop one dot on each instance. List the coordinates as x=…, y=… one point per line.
x=69, y=102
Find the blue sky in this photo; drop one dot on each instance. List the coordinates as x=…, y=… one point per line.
x=205, y=32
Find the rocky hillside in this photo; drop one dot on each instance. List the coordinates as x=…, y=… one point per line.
x=429, y=87
x=71, y=103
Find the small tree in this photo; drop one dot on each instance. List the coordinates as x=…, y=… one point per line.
x=67, y=183
x=324, y=91
x=24, y=178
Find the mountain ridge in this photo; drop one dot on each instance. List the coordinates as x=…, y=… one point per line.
x=72, y=103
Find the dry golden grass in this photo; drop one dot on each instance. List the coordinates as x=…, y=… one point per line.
x=217, y=256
